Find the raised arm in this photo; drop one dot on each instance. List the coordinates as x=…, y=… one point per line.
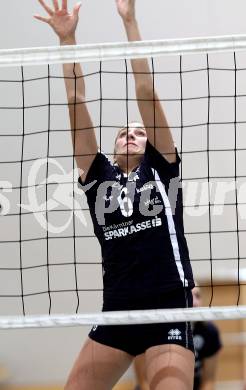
x=64, y=25
x=158, y=132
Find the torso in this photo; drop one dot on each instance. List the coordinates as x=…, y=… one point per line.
x=143, y=245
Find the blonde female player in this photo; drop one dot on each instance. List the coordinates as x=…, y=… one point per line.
x=145, y=256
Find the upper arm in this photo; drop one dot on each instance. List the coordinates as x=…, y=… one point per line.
x=155, y=122
x=83, y=136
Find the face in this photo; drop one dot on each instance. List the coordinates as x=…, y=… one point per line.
x=131, y=140
x=197, y=299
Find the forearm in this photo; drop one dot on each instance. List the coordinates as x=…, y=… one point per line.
x=64, y=24
x=150, y=108
x=80, y=119
x=73, y=76
x=144, y=86
x=140, y=66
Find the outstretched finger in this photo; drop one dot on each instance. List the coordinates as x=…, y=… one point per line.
x=46, y=20
x=46, y=7
x=64, y=5
x=76, y=9
x=56, y=5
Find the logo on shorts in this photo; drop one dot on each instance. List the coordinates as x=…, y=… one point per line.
x=94, y=328
x=174, y=334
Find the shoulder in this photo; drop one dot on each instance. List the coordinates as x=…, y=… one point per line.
x=157, y=161
x=211, y=328
x=99, y=169
x=209, y=332
x=100, y=175
x=207, y=328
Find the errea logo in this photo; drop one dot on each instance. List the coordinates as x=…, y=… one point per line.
x=174, y=334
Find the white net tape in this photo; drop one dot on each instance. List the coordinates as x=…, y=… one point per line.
x=126, y=317
x=117, y=51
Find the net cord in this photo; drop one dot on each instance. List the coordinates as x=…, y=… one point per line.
x=125, y=317
x=120, y=50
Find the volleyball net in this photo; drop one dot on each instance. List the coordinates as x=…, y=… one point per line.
x=50, y=259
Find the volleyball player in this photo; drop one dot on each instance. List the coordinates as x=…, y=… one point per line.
x=144, y=252
x=207, y=346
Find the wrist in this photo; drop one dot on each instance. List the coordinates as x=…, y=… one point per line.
x=132, y=30
x=70, y=40
x=129, y=20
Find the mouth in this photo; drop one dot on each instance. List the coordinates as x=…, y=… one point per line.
x=130, y=143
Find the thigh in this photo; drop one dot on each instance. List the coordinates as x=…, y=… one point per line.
x=170, y=366
x=97, y=367
x=140, y=372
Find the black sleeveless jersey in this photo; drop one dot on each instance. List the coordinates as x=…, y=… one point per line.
x=138, y=220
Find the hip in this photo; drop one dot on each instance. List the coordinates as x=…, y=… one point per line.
x=176, y=298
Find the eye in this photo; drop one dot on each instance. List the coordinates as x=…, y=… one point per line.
x=141, y=133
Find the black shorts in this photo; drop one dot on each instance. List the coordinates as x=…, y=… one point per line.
x=136, y=339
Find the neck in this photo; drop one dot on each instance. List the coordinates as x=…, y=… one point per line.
x=127, y=164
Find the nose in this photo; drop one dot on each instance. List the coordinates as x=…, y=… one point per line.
x=130, y=135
